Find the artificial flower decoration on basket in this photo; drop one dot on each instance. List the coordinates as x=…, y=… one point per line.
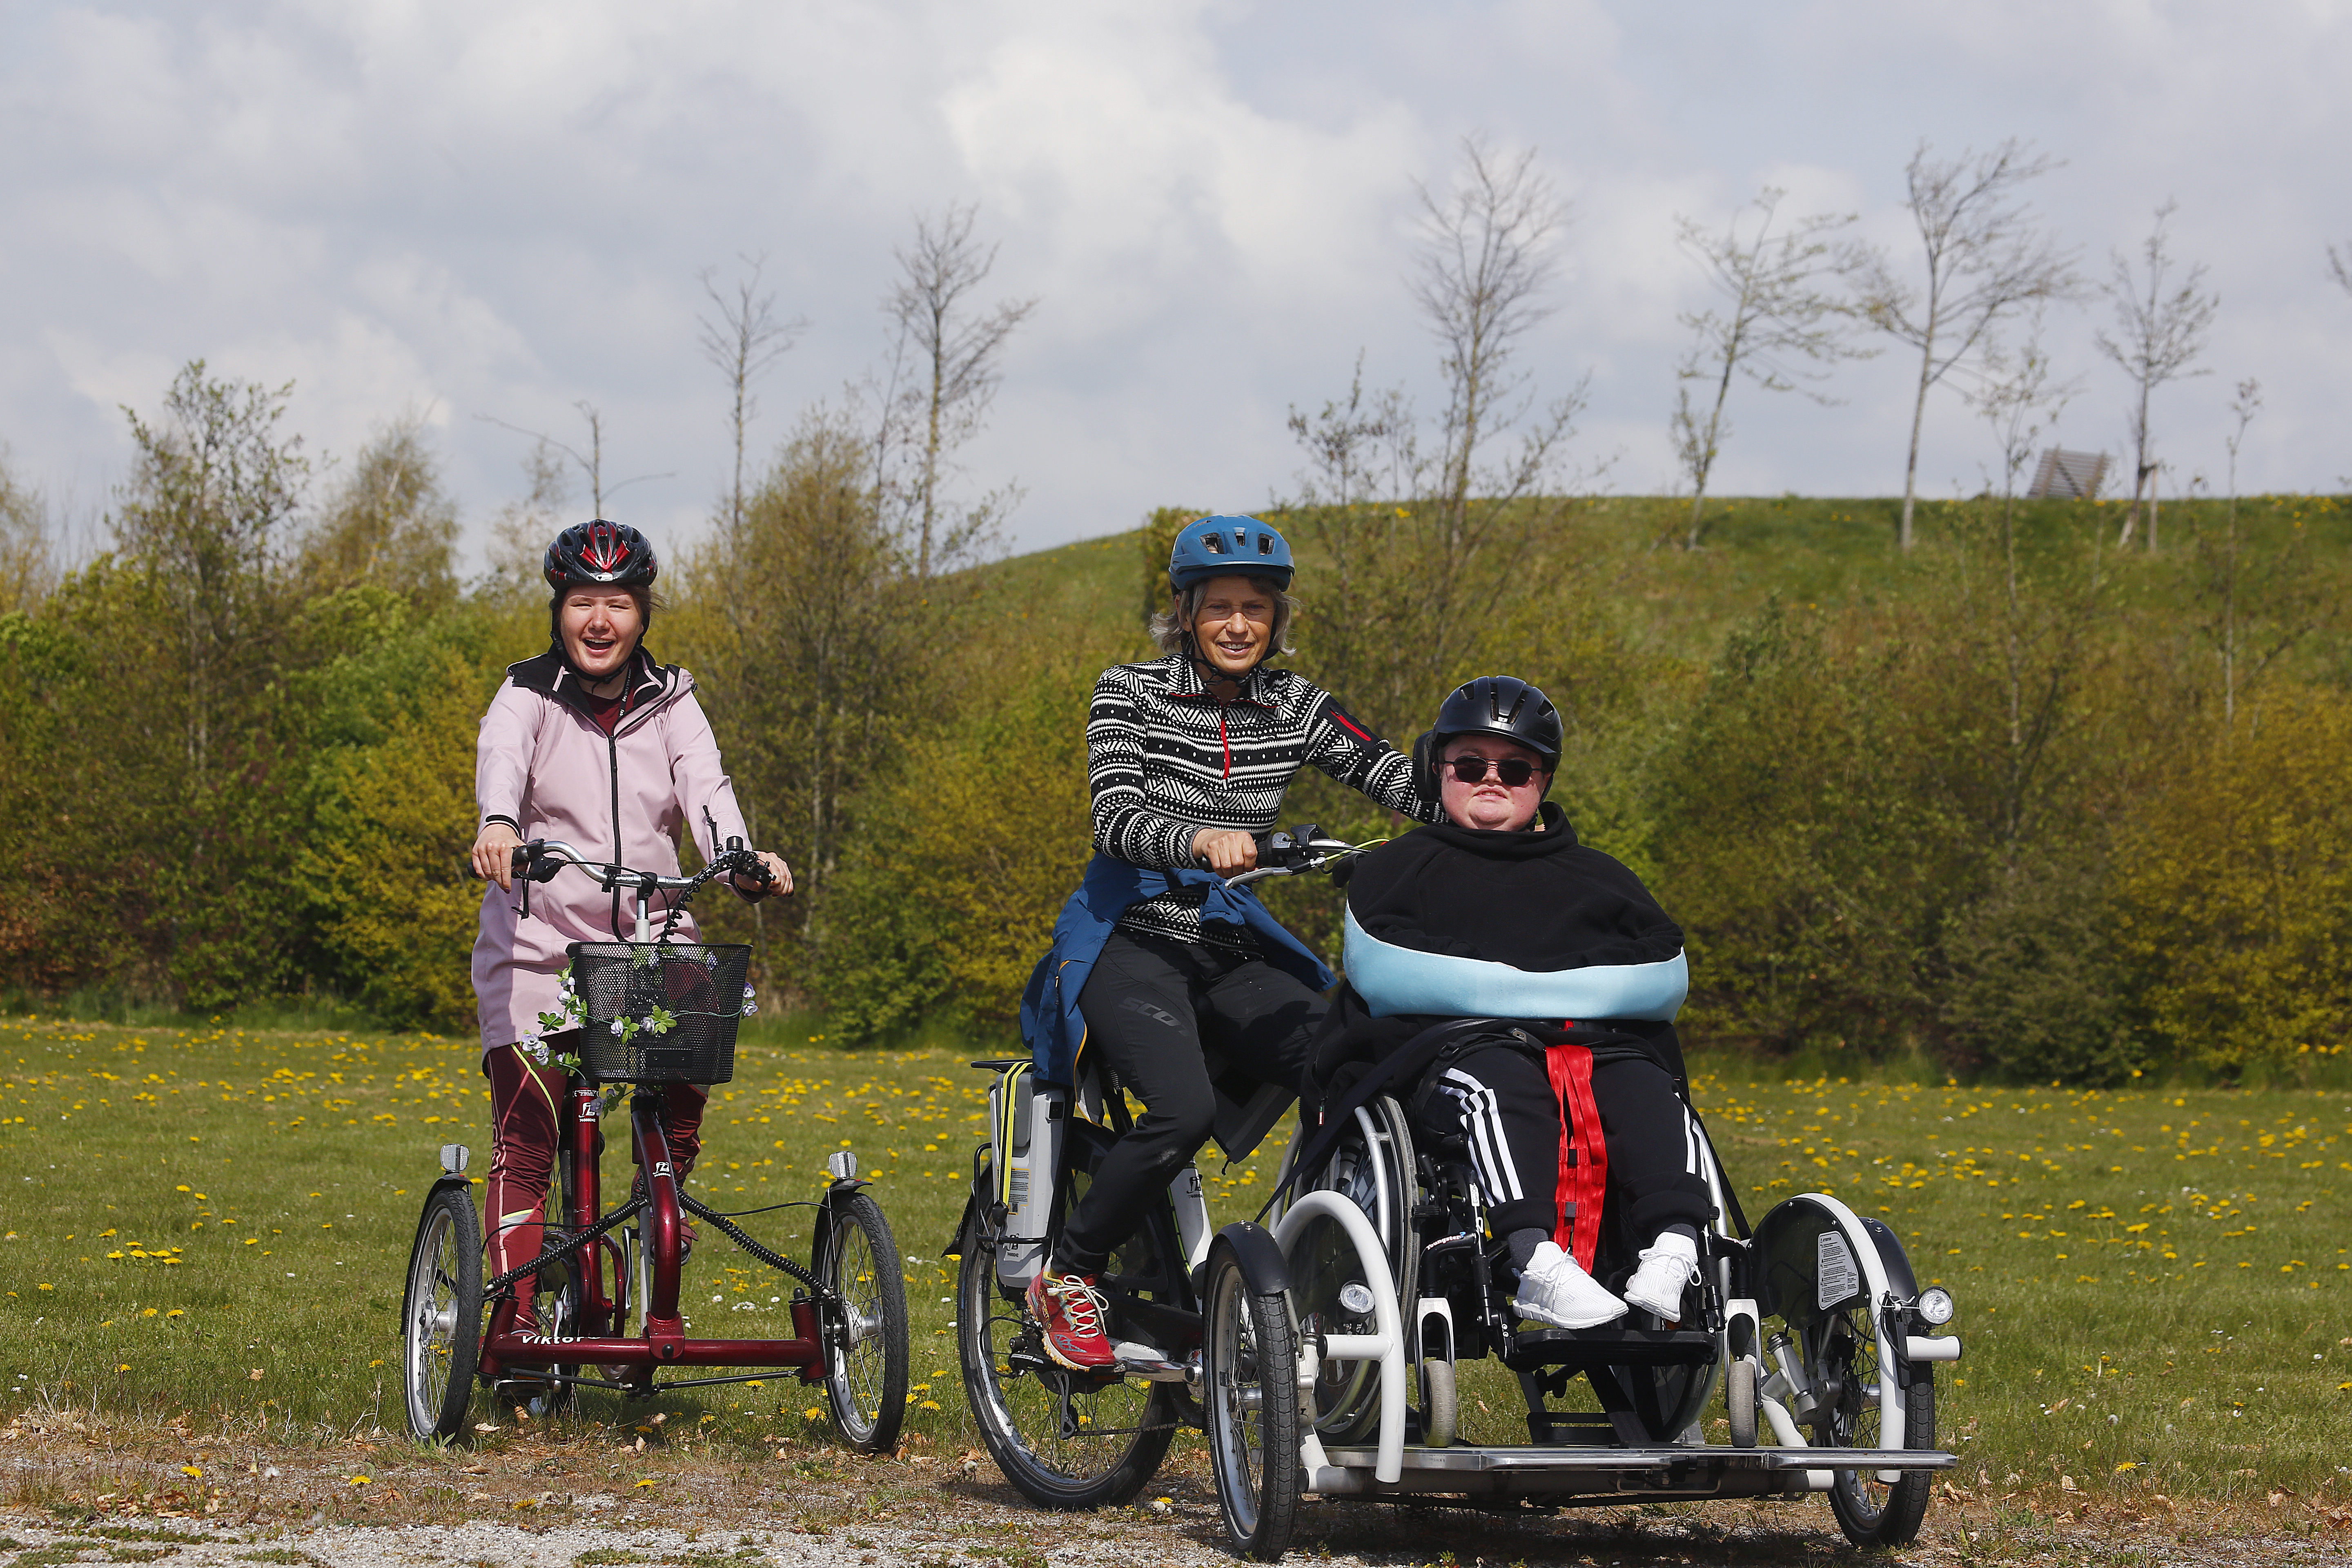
x=654, y=1012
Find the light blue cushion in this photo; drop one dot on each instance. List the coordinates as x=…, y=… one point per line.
x=1394, y=980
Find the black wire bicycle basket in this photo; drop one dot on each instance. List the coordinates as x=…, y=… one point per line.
x=659, y=1012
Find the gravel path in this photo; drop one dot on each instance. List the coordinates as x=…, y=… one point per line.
x=73, y=1494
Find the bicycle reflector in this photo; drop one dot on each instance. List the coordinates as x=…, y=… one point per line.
x=843, y=1164
x=1935, y=1305
x=453, y=1159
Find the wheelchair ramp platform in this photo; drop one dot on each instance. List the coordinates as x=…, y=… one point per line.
x=1598, y=1475
x=1582, y=1349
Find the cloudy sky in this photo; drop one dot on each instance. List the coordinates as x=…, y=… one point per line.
x=478, y=208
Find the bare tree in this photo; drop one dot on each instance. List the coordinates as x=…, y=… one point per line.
x=590, y=463
x=519, y=533
x=2263, y=601
x=2159, y=338
x=1986, y=261
x=944, y=373
x=1780, y=331
x=2020, y=399
x=1486, y=261
x=1435, y=552
x=744, y=342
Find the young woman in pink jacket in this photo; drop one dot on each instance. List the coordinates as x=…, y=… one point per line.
x=593, y=744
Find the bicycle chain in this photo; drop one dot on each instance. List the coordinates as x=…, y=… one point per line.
x=627, y=1211
x=743, y=1238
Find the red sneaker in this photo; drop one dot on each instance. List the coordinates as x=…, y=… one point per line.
x=1069, y=1311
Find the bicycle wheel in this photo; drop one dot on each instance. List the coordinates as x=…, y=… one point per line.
x=441, y=1315
x=1064, y=1440
x=1373, y=1166
x=1250, y=1374
x=866, y=1344
x=1841, y=1362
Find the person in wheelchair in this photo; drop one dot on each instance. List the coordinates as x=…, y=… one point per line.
x=1499, y=912
x=1155, y=962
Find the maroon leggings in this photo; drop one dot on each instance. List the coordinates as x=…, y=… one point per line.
x=524, y=1097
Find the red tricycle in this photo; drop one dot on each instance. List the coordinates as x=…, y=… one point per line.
x=650, y=1013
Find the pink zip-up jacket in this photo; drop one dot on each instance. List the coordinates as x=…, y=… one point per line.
x=546, y=769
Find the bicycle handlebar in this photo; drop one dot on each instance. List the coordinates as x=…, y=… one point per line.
x=1288, y=852
x=542, y=858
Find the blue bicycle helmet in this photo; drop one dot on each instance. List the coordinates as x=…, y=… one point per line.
x=1228, y=547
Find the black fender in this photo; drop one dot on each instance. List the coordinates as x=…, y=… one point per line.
x=1253, y=1249
x=1780, y=1258
x=821, y=1228
x=1893, y=1260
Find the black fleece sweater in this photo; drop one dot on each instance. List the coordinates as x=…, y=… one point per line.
x=1537, y=899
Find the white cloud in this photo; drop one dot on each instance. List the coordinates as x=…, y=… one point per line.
x=501, y=208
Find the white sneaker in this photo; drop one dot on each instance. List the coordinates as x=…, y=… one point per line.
x=1554, y=1289
x=1668, y=1268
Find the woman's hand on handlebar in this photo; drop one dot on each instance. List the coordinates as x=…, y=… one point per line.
x=780, y=878
x=1224, y=851
x=493, y=854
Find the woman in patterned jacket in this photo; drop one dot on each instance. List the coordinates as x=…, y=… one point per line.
x=1154, y=960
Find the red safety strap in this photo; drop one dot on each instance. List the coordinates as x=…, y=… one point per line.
x=1583, y=1152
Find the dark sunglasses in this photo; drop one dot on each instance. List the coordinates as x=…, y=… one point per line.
x=1513, y=770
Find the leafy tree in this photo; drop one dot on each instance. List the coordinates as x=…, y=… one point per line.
x=969, y=852
x=1798, y=862
x=27, y=552
x=388, y=523
x=2235, y=887
x=814, y=638
x=395, y=915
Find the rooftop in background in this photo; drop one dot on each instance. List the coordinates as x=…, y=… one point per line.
x=2068, y=476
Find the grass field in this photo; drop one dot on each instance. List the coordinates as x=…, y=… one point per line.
x=2154, y=1285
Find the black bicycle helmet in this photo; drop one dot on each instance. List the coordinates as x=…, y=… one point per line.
x=600, y=555
x=1491, y=705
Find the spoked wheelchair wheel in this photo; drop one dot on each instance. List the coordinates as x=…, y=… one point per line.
x=1373, y=1167
x=441, y=1315
x=866, y=1339
x=1064, y=1440
x=1249, y=1365
x=1841, y=1362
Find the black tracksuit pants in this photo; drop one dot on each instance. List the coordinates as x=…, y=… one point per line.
x=1151, y=1003
x=1511, y=1119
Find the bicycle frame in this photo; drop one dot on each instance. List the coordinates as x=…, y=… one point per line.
x=604, y=1305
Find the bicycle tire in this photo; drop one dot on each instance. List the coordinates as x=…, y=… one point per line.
x=866, y=1346
x=1033, y=1417
x=1250, y=1384
x=1870, y=1512
x=441, y=1315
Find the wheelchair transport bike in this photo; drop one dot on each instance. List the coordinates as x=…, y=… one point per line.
x=651, y=1012
x=1322, y=1352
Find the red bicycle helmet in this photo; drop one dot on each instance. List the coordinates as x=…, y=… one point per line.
x=607, y=554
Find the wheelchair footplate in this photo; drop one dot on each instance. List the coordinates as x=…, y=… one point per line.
x=1591, y=1476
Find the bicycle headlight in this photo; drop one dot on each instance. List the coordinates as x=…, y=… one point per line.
x=1935, y=1306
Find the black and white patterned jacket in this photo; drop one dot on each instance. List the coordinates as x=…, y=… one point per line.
x=1165, y=759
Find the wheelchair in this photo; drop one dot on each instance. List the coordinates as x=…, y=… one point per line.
x=1811, y=1325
